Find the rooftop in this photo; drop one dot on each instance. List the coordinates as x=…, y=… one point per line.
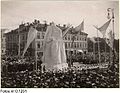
x=40, y=27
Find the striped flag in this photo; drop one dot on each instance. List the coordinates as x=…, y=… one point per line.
x=31, y=36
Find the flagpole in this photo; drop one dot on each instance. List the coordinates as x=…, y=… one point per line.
x=98, y=47
x=93, y=50
x=36, y=65
x=36, y=52
x=112, y=11
x=73, y=38
x=111, y=55
x=105, y=50
x=113, y=33
x=19, y=43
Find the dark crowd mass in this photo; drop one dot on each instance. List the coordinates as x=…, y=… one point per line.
x=22, y=75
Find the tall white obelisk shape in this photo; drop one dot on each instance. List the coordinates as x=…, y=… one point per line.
x=54, y=55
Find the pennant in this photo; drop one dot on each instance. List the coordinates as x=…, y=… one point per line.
x=93, y=40
x=104, y=27
x=31, y=36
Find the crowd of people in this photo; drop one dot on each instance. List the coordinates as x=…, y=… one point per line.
x=23, y=75
x=89, y=58
x=69, y=78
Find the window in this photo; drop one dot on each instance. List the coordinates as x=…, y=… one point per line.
x=80, y=45
x=26, y=36
x=23, y=37
x=65, y=44
x=10, y=38
x=2, y=40
x=65, y=38
x=68, y=37
x=77, y=45
x=38, y=35
x=42, y=43
x=85, y=45
x=38, y=45
x=43, y=35
x=83, y=38
x=69, y=44
x=77, y=37
x=80, y=38
x=23, y=44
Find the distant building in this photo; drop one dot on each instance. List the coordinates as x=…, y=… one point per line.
x=79, y=44
x=3, y=42
x=12, y=40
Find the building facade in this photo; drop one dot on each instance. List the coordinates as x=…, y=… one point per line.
x=12, y=41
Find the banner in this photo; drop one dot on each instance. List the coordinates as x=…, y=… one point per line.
x=80, y=28
x=104, y=27
x=31, y=36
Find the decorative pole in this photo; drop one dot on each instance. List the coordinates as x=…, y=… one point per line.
x=98, y=47
x=112, y=17
x=73, y=39
x=36, y=64
x=105, y=48
x=19, y=43
x=93, y=50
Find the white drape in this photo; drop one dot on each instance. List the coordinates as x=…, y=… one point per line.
x=54, y=56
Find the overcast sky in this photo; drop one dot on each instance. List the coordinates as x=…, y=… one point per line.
x=61, y=12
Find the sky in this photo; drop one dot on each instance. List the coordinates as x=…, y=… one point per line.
x=14, y=13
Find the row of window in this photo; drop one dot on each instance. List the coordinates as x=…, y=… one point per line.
x=41, y=36
x=75, y=45
x=16, y=37
x=69, y=37
x=67, y=45
x=12, y=37
x=11, y=46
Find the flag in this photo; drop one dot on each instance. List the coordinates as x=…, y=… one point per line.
x=93, y=40
x=31, y=36
x=104, y=27
x=110, y=40
x=80, y=27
